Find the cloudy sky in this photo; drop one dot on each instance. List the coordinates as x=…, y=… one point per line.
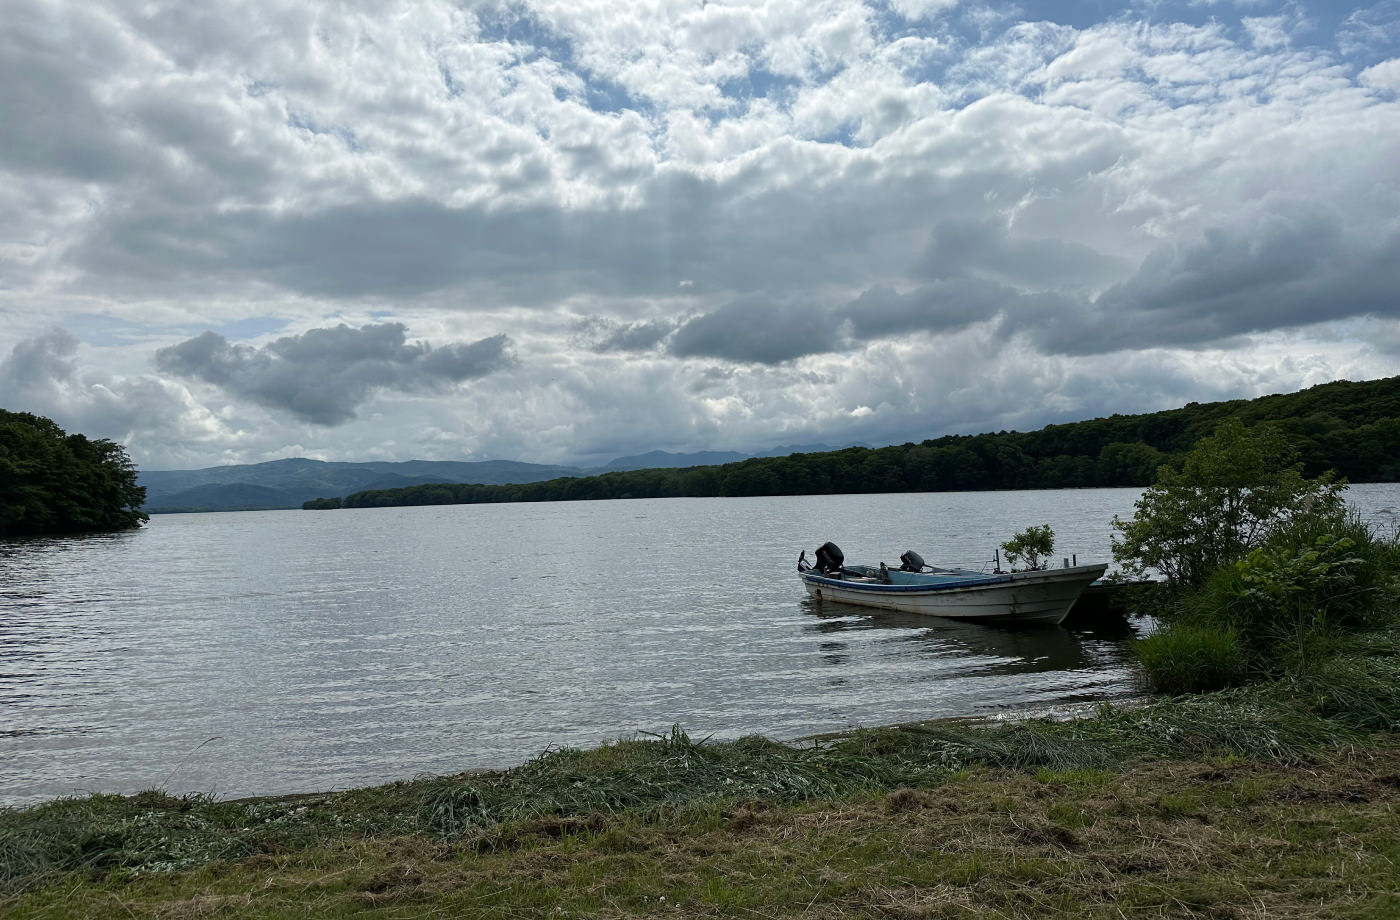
x=567, y=230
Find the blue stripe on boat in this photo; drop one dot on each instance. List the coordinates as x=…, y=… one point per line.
x=952, y=583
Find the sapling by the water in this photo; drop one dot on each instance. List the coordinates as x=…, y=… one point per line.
x=1035, y=545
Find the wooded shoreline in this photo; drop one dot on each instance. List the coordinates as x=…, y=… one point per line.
x=1350, y=428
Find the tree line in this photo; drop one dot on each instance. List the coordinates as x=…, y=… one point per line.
x=1353, y=428
x=53, y=482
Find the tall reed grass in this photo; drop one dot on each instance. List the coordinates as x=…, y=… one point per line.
x=1193, y=658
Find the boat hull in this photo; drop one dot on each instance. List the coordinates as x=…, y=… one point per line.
x=1032, y=597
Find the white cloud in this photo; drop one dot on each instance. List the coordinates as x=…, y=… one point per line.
x=1385, y=75
x=1369, y=27
x=1267, y=32
x=721, y=225
x=158, y=421
x=922, y=9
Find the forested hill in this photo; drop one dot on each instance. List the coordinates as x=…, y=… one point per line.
x=1353, y=428
x=53, y=482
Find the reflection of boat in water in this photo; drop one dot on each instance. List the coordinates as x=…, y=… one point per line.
x=1017, y=648
x=1038, y=596
x=1106, y=601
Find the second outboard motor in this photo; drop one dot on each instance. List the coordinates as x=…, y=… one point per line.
x=830, y=558
x=911, y=562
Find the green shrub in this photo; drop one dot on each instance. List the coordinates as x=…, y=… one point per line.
x=1318, y=578
x=1267, y=572
x=1364, y=594
x=1234, y=490
x=1034, y=545
x=1192, y=658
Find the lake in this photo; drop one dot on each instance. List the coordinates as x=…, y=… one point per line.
x=292, y=651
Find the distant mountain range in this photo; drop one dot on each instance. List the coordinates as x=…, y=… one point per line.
x=660, y=459
x=287, y=483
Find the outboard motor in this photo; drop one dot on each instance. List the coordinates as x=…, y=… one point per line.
x=830, y=558
x=911, y=562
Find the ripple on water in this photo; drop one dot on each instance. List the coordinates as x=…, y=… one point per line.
x=271, y=652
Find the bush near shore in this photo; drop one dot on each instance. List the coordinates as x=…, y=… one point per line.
x=1268, y=573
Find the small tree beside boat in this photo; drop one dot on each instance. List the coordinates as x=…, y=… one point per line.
x=1034, y=546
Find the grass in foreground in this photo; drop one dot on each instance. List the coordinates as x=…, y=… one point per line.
x=1181, y=839
x=1273, y=801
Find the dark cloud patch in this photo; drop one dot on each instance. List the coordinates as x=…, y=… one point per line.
x=405, y=248
x=758, y=332
x=36, y=364
x=458, y=361
x=323, y=375
x=734, y=238
x=962, y=248
x=604, y=335
x=1295, y=270
x=52, y=123
x=208, y=357
x=1200, y=277
x=945, y=306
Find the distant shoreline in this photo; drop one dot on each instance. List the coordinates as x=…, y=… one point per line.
x=1349, y=427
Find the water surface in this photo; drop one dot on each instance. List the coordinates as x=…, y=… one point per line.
x=270, y=652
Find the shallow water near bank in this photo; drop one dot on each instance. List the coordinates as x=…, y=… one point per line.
x=275, y=652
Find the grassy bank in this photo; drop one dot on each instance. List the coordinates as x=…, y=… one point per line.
x=1274, y=800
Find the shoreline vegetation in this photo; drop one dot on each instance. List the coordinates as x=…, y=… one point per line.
x=1352, y=428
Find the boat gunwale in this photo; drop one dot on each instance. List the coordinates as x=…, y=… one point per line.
x=957, y=583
